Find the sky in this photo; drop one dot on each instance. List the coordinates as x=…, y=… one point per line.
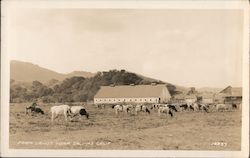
x=200, y=48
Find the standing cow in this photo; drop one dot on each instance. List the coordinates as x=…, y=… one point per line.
x=166, y=110
x=141, y=108
x=60, y=110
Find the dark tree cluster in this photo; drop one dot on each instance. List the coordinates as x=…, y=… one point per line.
x=75, y=89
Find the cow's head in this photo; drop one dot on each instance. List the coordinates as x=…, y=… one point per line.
x=84, y=112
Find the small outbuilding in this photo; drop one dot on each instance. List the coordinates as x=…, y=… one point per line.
x=230, y=95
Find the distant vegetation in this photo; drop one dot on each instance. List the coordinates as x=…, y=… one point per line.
x=75, y=89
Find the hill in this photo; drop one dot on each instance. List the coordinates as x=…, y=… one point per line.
x=77, y=89
x=28, y=72
x=29, y=82
x=209, y=89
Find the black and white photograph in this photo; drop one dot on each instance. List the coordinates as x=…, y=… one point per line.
x=113, y=79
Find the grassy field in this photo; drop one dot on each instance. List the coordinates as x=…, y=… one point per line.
x=105, y=130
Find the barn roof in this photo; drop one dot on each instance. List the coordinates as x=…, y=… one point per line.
x=232, y=91
x=131, y=91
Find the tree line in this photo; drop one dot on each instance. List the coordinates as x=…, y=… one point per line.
x=74, y=89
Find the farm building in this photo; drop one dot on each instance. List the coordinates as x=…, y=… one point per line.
x=230, y=95
x=132, y=94
x=207, y=98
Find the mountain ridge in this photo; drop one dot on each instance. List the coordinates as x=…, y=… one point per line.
x=27, y=72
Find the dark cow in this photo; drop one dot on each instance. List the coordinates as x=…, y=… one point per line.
x=203, y=107
x=33, y=109
x=172, y=107
x=184, y=106
x=191, y=107
x=234, y=106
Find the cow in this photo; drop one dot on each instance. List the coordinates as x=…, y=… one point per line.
x=155, y=106
x=78, y=110
x=234, y=106
x=191, y=107
x=221, y=107
x=118, y=109
x=60, y=110
x=33, y=109
x=165, y=110
x=127, y=108
x=173, y=107
x=141, y=108
x=203, y=107
x=101, y=106
x=184, y=106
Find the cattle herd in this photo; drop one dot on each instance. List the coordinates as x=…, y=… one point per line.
x=70, y=112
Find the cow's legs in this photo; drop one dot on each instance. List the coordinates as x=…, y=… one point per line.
x=52, y=116
x=66, y=115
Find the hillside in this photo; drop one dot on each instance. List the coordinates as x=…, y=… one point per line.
x=77, y=89
x=29, y=82
x=28, y=72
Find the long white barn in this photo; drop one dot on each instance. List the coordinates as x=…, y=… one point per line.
x=132, y=94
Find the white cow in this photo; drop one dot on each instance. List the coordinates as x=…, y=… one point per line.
x=127, y=108
x=78, y=110
x=165, y=109
x=221, y=107
x=118, y=108
x=60, y=109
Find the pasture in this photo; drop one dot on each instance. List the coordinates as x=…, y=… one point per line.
x=105, y=130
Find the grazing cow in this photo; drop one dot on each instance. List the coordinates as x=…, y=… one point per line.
x=165, y=110
x=234, y=106
x=78, y=110
x=184, y=106
x=191, y=107
x=156, y=106
x=221, y=107
x=33, y=109
x=203, y=107
x=101, y=106
x=171, y=106
x=127, y=108
x=118, y=108
x=141, y=108
x=60, y=109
